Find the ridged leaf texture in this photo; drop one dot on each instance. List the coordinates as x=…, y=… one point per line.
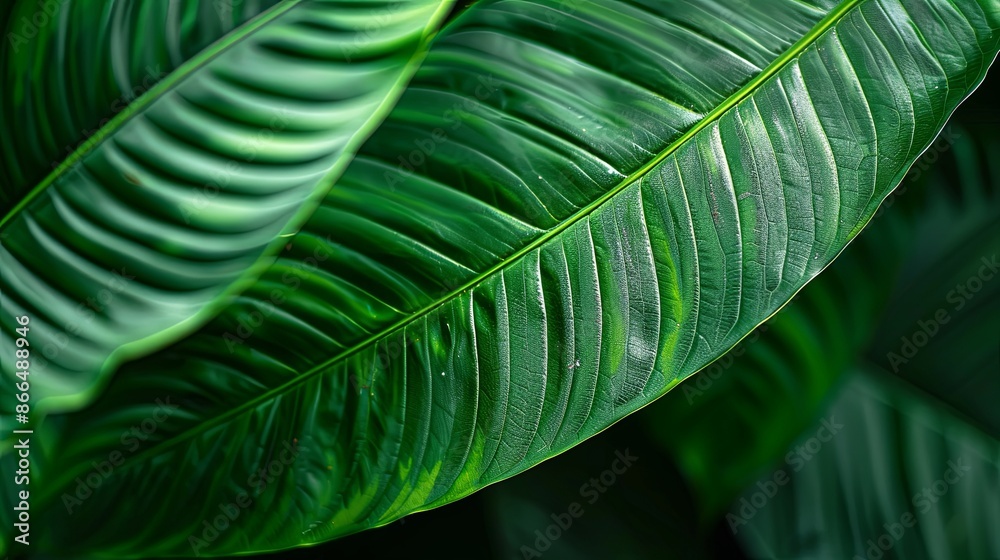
x=154, y=218
x=573, y=207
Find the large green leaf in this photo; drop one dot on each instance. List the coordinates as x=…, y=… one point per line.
x=559, y=221
x=773, y=386
x=183, y=195
x=731, y=425
x=726, y=427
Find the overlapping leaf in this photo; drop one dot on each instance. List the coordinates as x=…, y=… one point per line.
x=560, y=221
x=71, y=66
x=144, y=225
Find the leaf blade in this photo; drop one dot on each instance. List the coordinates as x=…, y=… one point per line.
x=374, y=444
x=183, y=198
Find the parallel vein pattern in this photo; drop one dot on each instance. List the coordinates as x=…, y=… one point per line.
x=404, y=392
x=173, y=205
x=50, y=110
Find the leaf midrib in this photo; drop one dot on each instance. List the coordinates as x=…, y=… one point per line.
x=777, y=65
x=186, y=69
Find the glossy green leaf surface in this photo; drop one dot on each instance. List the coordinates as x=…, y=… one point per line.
x=545, y=235
x=772, y=387
x=138, y=234
x=99, y=56
x=742, y=419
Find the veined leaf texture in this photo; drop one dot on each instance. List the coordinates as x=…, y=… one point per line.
x=569, y=208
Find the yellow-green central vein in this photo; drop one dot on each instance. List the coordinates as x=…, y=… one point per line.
x=795, y=50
